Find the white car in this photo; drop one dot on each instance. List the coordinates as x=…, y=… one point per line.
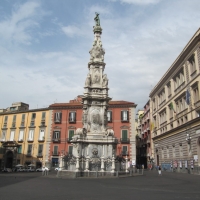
x=57, y=169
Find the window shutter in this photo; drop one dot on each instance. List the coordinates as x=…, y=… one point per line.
x=60, y=117
x=124, y=134
x=127, y=115
x=110, y=116
x=71, y=134
x=122, y=115
x=74, y=116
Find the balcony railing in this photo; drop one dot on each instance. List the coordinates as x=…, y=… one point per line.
x=69, y=140
x=55, y=153
x=40, y=155
x=41, y=139
x=124, y=140
x=56, y=140
x=124, y=153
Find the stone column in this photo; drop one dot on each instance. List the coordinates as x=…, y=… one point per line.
x=126, y=163
x=102, y=164
x=87, y=165
x=113, y=164
x=77, y=164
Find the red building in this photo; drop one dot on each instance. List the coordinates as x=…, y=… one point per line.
x=67, y=117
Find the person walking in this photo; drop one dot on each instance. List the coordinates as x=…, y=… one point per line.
x=159, y=171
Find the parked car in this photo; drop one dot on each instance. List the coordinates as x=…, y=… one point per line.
x=31, y=169
x=7, y=170
x=39, y=169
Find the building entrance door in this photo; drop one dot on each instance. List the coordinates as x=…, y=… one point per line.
x=9, y=159
x=157, y=160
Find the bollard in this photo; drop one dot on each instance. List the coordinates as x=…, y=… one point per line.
x=117, y=174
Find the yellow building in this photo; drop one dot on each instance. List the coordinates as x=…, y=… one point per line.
x=175, y=111
x=24, y=135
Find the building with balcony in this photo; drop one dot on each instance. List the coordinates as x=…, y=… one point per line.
x=68, y=118
x=175, y=104
x=24, y=135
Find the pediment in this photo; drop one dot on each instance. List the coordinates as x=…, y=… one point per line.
x=57, y=127
x=71, y=127
x=124, y=127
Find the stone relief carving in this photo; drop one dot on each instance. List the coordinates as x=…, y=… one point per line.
x=97, y=52
x=88, y=81
x=94, y=151
x=105, y=81
x=96, y=77
x=110, y=132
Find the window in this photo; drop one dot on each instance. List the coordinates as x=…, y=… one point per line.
x=162, y=97
x=55, y=150
x=124, y=150
x=19, y=149
x=124, y=115
x=192, y=64
x=29, y=151
x=43, y=115
x=70, y=149
x=3, y=136
x=58, y=117
x=109, y=116
x=40, y=149
x=196, y=94
x=71, y=134
x=41, y=135
x=14, y=118
x=12, y=135
x=32, y=123
x=124, y=136
x=6, y=119
x=23, y=117
x=21, y=135
x=31, y=135
x=56, y=135
x=163, y=117
x=72, y=117
x=33, y=116
x=169, y=89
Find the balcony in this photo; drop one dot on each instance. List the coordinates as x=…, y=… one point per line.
x=124, y=140
x=20, y=140
x=40, y=155
x=124, y=153
x=56, y=140
x=69, y=140
x=41, y=139
x=29, y=154
x=30, y=140
x=55, y=153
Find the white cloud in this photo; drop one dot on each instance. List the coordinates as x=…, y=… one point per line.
x=16, y=27
x=139, y=2
x=71, y=30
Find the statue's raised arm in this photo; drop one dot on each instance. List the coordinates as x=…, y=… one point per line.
x=96, y=19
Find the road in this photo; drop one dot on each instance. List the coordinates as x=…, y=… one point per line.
x=28, y=186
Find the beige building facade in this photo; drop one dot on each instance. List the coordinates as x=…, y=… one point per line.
x=175, y=111
x=24, y=136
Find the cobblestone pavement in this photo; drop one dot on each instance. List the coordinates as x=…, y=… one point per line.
x=28, y=186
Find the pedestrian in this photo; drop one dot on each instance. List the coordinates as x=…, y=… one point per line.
x=159, y=171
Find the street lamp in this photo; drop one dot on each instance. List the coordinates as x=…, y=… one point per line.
x=188, y=138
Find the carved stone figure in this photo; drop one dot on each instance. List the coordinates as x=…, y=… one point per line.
x=96, y=77
x=97, y=53
x=88, y=81
x=96, y=19
x=105, y=81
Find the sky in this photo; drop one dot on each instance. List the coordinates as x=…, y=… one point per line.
x=45, y=44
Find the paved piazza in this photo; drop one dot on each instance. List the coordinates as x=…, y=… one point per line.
x=28, y=186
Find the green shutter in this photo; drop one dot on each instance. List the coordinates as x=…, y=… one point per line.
x=124, y=134
x=71, y=134
x=20, y=149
